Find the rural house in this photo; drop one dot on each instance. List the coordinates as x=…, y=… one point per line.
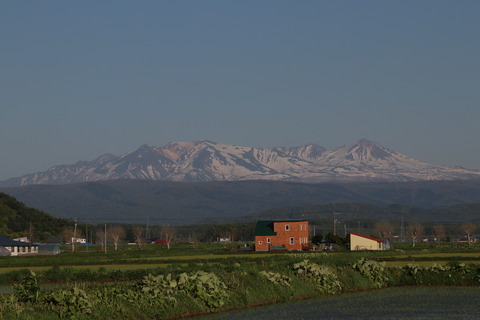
x=17, y=248
x=361, y=242
x=281, y=235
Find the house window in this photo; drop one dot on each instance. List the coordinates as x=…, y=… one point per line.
x=292, y=241
x=269, y=240
x=301, y=227
x=260, y=242
x=287, y=227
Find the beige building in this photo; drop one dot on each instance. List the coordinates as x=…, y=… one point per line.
x=361, y=242
x=17, y=248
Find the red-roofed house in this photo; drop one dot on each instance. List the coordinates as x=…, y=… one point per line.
x=361, y=242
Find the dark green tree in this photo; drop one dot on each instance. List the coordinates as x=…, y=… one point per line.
x=317, y=239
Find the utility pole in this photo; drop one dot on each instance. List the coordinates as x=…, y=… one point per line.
x=335, y=222
x=147, y=230
x=74, y=239
x=402, y=232
x=105, y=238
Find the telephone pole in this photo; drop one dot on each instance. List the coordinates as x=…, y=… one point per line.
x=74, y=239
x=147, y=230
x=402, y=231
x=335, y=222
x=105, y=238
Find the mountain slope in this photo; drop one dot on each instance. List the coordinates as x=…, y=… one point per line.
x=162, y=202
x=209, y=161
x=18, y=220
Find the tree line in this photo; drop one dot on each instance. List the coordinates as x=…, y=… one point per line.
x=415, y=231
x=16, y=220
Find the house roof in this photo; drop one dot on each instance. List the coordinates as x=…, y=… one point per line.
x=265, y=227
x=366, y=237
x=6, y=242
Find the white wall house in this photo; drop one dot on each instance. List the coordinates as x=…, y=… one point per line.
x=17, y=248
x=362, y=242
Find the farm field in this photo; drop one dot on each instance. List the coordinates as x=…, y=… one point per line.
x=162, y=262
x=440, y=255
x=425, y=259
x=153, y=257
x=92, y=261
x=212, y=277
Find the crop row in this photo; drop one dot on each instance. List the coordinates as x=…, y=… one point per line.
x=177, y=291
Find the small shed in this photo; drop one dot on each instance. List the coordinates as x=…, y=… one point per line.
x=363, y=242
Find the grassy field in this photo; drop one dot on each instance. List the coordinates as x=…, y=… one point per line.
x=125, y=263
x=156, y=283
x=155, y=256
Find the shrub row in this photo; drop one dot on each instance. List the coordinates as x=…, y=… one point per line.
x=206, y=288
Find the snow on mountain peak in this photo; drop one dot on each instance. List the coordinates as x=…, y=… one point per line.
x=205, y=160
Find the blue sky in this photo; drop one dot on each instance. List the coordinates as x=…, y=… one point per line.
x=82, y=78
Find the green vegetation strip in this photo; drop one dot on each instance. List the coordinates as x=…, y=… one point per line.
x=94, y=267
x=127, y=263
x=426, y=264
x=170, y=290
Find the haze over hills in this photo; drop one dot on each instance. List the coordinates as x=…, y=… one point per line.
x=130, y=201
x=208, y=161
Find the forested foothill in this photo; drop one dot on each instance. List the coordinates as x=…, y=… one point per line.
x=18, y=220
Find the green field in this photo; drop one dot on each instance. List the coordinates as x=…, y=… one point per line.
x=125, y=263
x=154, y=256
x=156, y=283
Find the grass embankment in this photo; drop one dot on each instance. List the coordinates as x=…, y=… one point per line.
x=212, y=279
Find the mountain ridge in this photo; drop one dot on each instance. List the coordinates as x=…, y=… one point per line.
x=204, y=160
x=131, y=201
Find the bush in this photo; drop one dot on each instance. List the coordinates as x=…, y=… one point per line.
x=28, y=290
x=325, y=279
x=205, y=286
x=71, y=303
x=452, y=273
x=277, y=278
x=373, y=271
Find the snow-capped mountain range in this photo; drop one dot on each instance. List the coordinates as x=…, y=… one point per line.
x=208, y=161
